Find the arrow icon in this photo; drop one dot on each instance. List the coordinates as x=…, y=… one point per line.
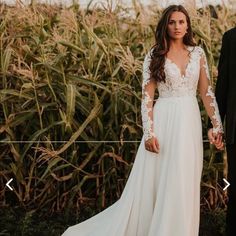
x=227, y=184
x=8, y=184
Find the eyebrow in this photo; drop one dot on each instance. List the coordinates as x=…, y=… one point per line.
x=176, y=20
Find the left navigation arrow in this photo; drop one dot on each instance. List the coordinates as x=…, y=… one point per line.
x=8, y=184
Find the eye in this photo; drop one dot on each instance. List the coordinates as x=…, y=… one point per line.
x=171, y=22
x=181, y=21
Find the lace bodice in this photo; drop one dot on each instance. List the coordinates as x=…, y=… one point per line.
x=196, y=76
x=181, y=85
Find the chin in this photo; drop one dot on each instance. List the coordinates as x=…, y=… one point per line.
x=177, y=37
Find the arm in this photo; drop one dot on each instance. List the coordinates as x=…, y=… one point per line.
x=222, y=81
x=208, y=96
x=148, y=91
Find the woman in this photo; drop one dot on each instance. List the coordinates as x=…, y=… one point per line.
x=162, y=194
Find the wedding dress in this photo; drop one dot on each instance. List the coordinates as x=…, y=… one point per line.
x=162, y=193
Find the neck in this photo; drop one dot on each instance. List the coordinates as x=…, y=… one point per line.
x=177, y=45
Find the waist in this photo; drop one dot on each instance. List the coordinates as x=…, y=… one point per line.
x=177, y=93
x=177, y=97
x=187, y=99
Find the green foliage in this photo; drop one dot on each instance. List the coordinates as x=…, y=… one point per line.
x=212, y=223
x=74, y=76
x=30, y=223
x=41, y=223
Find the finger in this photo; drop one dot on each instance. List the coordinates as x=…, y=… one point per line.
x=218, y=139
x=217, y=143
x=220, y=146
x=220, y=142
x=210, y=136
x=157, y=145
x=221, y=138
x=154, y=148
x=212, y=141
x=214, y=135
x=148, y=145
x=149, y=148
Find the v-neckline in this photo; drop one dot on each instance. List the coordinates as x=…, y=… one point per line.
x=186, y=67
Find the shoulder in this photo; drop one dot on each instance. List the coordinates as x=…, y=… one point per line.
x=147, y=58
x=148, y=55
x=147, y=61
x=228, y=39
x=197, y=50
x=230, y=33
x=229, y=36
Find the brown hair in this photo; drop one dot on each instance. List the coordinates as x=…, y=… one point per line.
x=161, y=47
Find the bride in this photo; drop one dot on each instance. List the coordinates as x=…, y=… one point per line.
x=162, y=193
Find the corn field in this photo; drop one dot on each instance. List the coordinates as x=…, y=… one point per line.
x=70, y=93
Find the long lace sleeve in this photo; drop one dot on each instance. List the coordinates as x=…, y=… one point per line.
x=148, y=91
x=207, y=94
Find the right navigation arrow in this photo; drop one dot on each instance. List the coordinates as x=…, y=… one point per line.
x=227, y=184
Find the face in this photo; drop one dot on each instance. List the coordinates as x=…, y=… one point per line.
x=177, y=25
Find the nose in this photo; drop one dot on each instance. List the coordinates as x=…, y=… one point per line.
x=177, y=25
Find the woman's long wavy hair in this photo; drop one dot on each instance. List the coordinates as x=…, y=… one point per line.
x=162, y=45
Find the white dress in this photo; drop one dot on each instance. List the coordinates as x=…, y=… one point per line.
x=162, y=193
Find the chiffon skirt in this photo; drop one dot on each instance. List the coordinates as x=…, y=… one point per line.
x=162, y=194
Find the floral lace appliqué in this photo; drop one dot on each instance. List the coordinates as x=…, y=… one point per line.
x=147, y=101
x=215, y=117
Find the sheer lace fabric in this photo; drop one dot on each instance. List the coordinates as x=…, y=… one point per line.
x=147, y=100
x=196, y=76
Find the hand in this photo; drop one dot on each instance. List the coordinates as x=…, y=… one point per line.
x=216, y=139
x=152, y=145
x=219, y=142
